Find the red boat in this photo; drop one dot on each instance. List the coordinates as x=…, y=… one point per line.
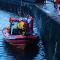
x=20, y=32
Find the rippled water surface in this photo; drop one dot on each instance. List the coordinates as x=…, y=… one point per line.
x=35, y=53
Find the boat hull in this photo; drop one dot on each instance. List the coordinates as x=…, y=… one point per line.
x=22, y=43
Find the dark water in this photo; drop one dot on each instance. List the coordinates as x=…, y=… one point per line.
x=34, y=53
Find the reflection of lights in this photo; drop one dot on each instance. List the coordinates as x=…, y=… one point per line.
x=47, y=11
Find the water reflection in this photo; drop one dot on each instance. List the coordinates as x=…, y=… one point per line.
x=31, y=53
x=28, y=54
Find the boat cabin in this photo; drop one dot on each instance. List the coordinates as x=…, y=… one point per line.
x=21, y=26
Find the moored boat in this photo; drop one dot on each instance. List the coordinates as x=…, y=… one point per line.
x=20, y=32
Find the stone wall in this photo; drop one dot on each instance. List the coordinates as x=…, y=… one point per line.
x=50, y=36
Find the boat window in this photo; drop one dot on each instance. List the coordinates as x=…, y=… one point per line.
x=18, y=28
x=14, y=24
